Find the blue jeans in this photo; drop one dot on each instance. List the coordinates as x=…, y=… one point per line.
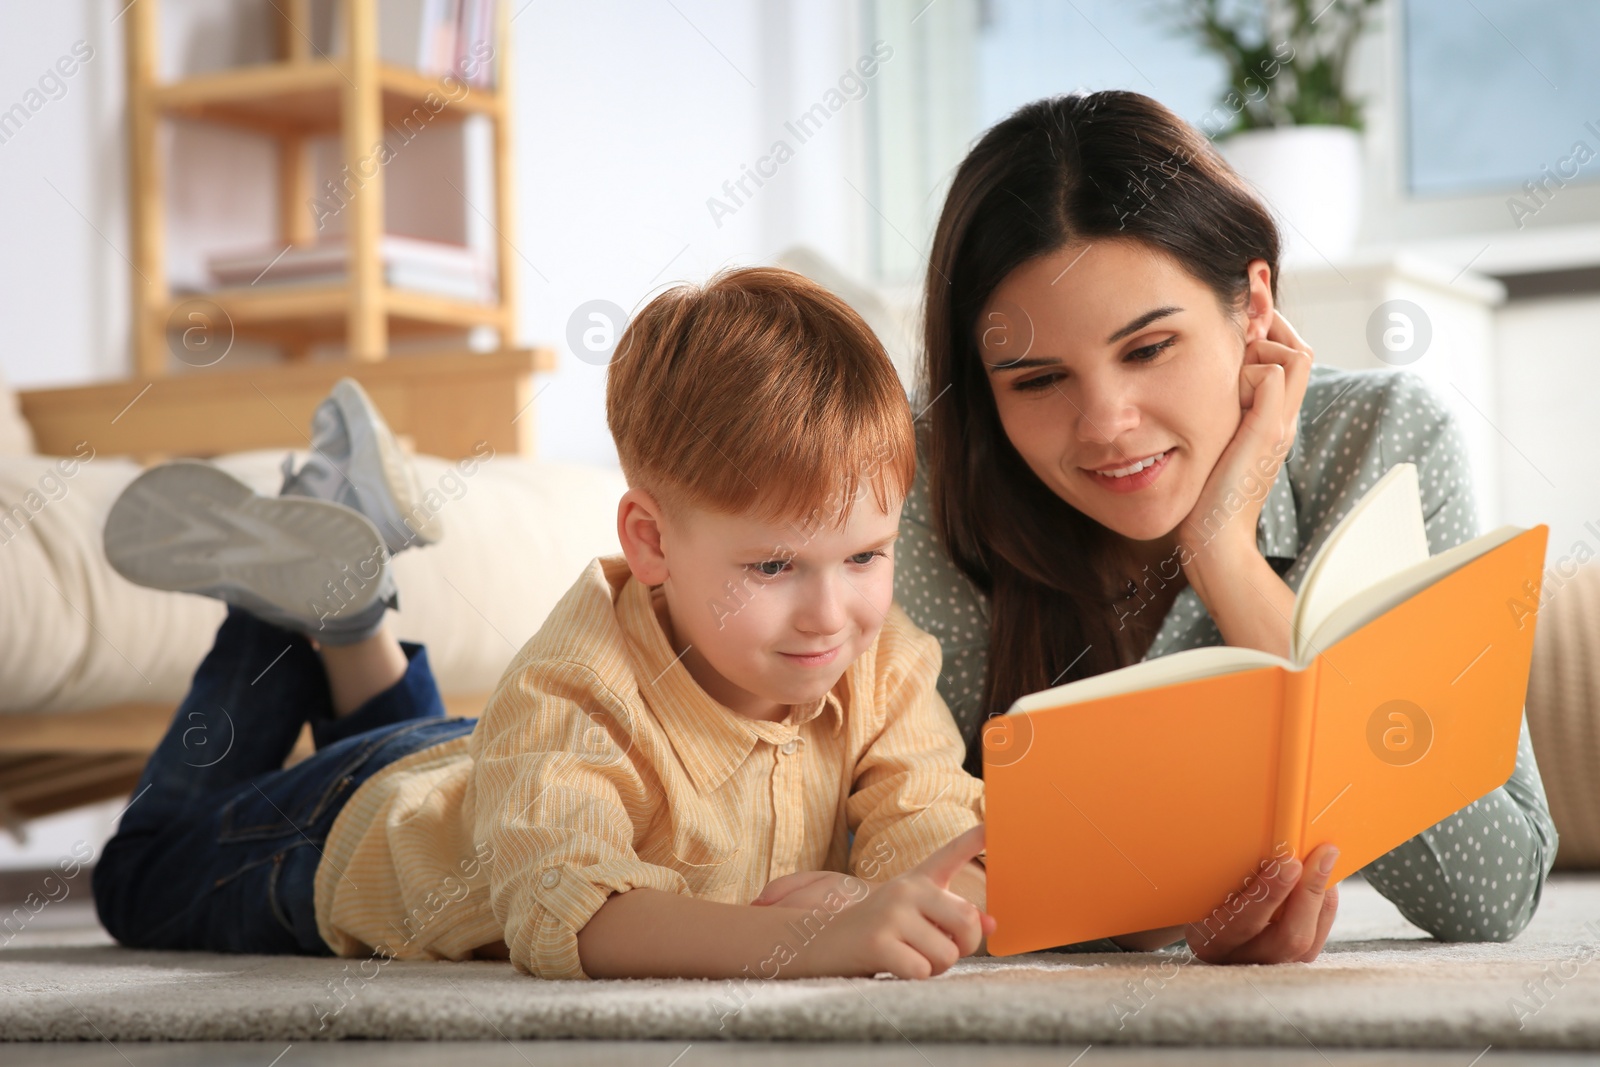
x=219, y=847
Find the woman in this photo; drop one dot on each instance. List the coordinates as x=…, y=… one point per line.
x=1104, y=367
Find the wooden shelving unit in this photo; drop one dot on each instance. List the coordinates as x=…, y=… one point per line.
x=301, y=96
x=447, y=402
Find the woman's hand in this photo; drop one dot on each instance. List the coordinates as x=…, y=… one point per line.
x=1272, y=385
x=1289, y=924
x=1217, y=550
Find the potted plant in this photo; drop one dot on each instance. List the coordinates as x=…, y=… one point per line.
x=1288, y=124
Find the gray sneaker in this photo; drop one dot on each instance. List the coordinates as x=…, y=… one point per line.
x=306, y=565
x=356, y=461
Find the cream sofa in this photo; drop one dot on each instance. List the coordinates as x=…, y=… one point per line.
x=91, y=666
x=74, y=634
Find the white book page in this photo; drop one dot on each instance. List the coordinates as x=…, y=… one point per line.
x=1375, y=559
x=1382, y=536
x=1183, y=666
x=1369, y=604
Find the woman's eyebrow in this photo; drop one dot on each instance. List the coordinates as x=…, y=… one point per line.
x=1133, y=327
x=1020, y=364
x=1142, y=321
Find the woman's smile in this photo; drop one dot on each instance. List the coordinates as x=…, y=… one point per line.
x=1131, y=477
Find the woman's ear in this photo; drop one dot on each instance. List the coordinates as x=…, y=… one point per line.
x=1258, y=301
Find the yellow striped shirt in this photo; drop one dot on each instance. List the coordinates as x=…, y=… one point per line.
x=600, y=766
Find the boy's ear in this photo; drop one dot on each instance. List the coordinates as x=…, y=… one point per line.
x=1258, y=301
x=639, y=531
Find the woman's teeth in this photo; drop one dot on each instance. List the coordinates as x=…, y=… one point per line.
x=1123, y=472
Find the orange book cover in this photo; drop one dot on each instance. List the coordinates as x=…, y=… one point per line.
x=1147, y=808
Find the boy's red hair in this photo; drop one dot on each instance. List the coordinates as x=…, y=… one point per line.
x=759, y=393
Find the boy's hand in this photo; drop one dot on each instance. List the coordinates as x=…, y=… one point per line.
x=811, y=889
x=912, y=926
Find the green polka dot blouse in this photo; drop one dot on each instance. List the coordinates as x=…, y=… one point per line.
x=1477, y=875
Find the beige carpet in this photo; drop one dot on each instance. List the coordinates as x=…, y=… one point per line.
x=1378, y=983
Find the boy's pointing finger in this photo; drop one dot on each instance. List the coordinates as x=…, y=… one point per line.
x=943, y=864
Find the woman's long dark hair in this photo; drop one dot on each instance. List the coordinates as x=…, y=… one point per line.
x=1067, y=169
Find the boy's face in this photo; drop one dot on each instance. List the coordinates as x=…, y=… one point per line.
x=773, y=614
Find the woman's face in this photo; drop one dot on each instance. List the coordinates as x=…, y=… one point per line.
x=1108, y=355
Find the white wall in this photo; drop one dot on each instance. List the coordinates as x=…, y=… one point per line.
x=630, y=116
x=63, y=283
x=1548, y=356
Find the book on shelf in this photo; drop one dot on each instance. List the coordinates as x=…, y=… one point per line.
x=474, y=41
x=435, y=37
x=1143, y=797
x=407, y=263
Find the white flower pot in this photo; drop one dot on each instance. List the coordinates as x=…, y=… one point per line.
x=1311, y=178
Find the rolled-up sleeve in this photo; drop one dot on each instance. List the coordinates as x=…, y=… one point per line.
x=560, y=797
x=911, y=795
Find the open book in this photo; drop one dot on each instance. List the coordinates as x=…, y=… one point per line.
x=1142, y=797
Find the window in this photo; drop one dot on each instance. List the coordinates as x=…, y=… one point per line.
x=1499, y=93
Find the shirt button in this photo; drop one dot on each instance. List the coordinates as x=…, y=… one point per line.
x=550, y=878
x=788, y=747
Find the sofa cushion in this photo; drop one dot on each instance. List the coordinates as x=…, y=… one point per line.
x=75, y=634
x=1564, y=710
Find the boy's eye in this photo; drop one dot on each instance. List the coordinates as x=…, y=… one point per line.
x=771, y=568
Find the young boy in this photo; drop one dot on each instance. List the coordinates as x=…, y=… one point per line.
x=670, y=772
x=723, y=753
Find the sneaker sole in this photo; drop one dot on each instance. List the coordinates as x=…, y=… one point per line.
x=189, y=527
x=374, y=452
